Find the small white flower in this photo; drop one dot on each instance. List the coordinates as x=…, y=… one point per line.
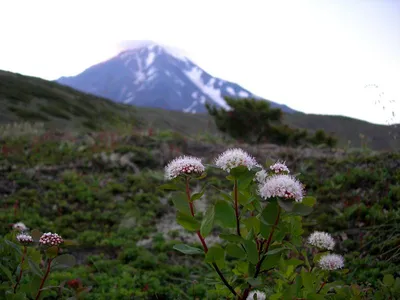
x=261, y=176
x=50, y=239
x=233, y=158
x=20, y=226
x=279, y=168
x=183, y=165
x=284, y=186
x=321, y=240
x=24, y=239
x=331, y=262
x=260, y=295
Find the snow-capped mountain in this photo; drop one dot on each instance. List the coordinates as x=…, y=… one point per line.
x=157, y=76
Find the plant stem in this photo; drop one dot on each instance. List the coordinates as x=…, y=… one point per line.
x=235, y=193
x=258, y=266
x=20, y=272
x=44, y=278
x=203, y=242
x=321, y=287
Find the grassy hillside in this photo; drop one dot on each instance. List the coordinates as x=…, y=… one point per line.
x=24, y=98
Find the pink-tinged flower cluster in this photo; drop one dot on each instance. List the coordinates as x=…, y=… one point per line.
x=184, y=165
x=283, y=186
x=259, y=295
x=24, y=239
x=20, y=226
x=321, y=240
x=233, y=158
x=50, y=239
x=279, y=168
x=331, y=262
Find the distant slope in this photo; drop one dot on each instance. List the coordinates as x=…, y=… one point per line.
x=24, y=98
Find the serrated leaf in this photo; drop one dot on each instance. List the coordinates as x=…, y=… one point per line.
x=185, y=249
x=225, y=214
x=207, y=222
x=235, y=251
x=187, y=222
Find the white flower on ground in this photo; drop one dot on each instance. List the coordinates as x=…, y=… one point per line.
x=50, y=239
x=233, y=158
x=20, y=226
x=331, y=262
x=24, y=239
x=279, y=168
x=283, y=186
x=184, y=165
x=260, y=295
x=321, y=240
x=261, y=176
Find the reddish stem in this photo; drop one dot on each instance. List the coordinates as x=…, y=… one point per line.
x=322, y=286
x=235, y=193
x=20, y=272
x=203, y=242
x=44, y=278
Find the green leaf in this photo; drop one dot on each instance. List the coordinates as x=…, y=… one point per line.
x=185, y=249
x=307, y=279
x=318, y=256
x=231, y=237
x=245, y=179
x=63, y=261
x=275, y=251
x=309, y=201
x=388, y=280
x=8, y=273
x=187, y=222
x=181, y=203
x=225, y=214
x=35, y=268
x=52, y=251
x=207, y=222
x=287, y=205
x=255, y=282
x=270, y=261
x=301, y=209
x=252, y=223
x=235, y=251
x=251, y=249
x=169, y=186
x=236, y=172
x=200, y=194
x=17, y=296
x=16, y=247
x=269, y=213
x=215, y=254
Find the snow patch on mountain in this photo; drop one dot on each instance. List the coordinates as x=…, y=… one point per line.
x=215, y=94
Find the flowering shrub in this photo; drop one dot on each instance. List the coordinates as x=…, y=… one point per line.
x=262, y=254
x=28, y=259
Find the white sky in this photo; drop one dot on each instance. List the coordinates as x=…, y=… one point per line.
x=315, y=56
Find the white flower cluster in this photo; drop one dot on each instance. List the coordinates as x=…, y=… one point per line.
x=259, y=295
x=24, y=239
x=233, y=158
x=331, y=262
x=321, y=240
x=20, y=226
x=50, y=239
x=183, y=165
x=284, y=186
x=279, y=168
x=261, y=176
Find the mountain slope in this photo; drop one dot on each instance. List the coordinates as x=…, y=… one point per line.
x=24, y=98
x=154, y=76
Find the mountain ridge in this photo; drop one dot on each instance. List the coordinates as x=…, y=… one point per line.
x=155, y=76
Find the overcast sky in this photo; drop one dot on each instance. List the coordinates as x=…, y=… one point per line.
x=324, y=57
